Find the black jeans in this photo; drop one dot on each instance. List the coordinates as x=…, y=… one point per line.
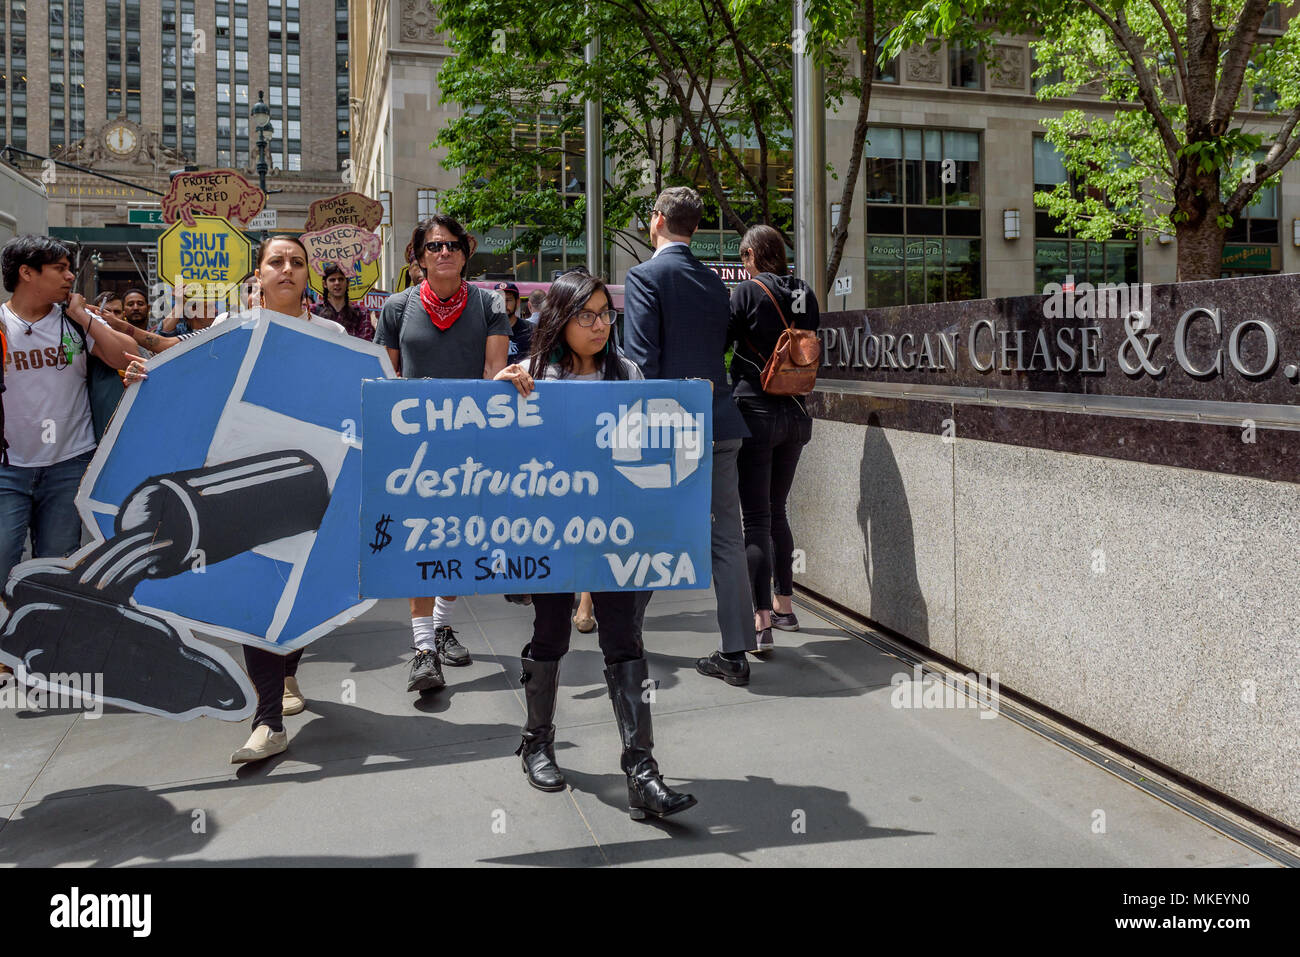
x=268, y=671
x=613, y=610
x=779, y=429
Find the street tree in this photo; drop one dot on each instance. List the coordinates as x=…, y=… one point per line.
x=694, y=92
x=1172, y=146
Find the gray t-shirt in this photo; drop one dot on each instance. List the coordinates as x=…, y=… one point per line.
x=430, y=353
x=630, y=369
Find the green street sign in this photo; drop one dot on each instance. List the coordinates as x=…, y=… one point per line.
x=145, y=217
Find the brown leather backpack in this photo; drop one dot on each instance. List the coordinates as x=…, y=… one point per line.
x=792, y=367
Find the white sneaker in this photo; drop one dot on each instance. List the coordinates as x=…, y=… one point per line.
x=292, y=702
x=262, y=743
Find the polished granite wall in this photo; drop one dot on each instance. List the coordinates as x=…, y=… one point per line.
x=1153, y=604
x=1130, y=566
x=872, y=510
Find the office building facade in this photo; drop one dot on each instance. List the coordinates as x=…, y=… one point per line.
x=138, y=88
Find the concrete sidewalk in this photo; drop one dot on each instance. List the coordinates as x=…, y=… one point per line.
x=809, y=765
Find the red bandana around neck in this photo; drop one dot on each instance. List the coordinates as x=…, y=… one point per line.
x=442, y=313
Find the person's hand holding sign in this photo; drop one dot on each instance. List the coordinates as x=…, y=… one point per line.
x=518, y=375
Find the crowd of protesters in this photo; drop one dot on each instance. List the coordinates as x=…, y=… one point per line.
x=679, y=322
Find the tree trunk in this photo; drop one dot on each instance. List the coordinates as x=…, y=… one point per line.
x=1199, y=235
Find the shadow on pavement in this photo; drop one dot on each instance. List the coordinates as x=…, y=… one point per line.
x=104, y=826
x=109, y=825
x=340, y=740
x=733, y=817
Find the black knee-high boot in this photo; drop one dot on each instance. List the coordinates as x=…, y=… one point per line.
x=646, y=791
x=541, y=681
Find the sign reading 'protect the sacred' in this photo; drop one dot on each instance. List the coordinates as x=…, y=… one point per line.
x=352, y=249
x=470, y=488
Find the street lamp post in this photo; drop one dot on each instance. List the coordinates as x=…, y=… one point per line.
x=262, y=123
x=809, y=160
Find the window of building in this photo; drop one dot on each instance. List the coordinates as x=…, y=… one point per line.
x=60, y=14
x=887, y=73
x=1252, y=244
x=716, y=239
x=426, y=203
x=1058, y=255
x=5, y=109
x=343, y=116
x=1037, y=82
x=923, y=224
x=964, y=68
x=563, y=170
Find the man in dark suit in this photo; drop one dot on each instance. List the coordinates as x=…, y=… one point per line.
x=676, y=312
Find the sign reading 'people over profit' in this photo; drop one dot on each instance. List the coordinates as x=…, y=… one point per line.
x=470, y=488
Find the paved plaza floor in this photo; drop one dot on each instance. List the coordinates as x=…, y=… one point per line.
x=809, y=765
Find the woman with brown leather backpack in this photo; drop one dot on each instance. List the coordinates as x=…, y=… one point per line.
x=774, y=318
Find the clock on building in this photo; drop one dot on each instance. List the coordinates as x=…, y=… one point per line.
x=121, y=139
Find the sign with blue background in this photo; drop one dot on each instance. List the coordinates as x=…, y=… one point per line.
x=470, y=488
x=222, y=502
x=263, y=385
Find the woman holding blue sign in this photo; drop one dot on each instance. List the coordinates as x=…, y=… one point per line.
x=572, y=343
x=282, y=276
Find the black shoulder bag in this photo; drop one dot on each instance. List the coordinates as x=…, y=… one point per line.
x=103, y=385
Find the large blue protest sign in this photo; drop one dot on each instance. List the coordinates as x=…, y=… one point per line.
x=222, y=501
x=470, y=488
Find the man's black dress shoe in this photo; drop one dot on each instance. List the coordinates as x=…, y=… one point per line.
x=716, y=666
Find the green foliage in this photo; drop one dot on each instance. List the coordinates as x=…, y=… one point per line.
x=1133, y=154
x=524, y=57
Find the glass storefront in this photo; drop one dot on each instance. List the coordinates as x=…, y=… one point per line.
x=924, y=224
x=1252, y=243
x=564, y=170
x=1058, y=255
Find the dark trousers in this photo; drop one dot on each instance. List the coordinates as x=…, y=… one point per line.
x=268, y=671
x=613, y=610
x=779, y=430
x=727, y=554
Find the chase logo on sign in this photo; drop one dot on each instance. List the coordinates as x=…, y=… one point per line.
x=665, y=438
x=223, y=500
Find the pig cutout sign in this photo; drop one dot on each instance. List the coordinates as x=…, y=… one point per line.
x=354, y=208
x=215, y=192
x=355, y=250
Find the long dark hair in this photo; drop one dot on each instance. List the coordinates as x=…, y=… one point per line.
x=768, y=248
x=463, y=239
x=564, y=300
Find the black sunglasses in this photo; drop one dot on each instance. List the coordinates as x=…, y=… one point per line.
x=441, y=245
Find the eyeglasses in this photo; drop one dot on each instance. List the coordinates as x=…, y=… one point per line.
x=442, y=245
x=588, y=319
